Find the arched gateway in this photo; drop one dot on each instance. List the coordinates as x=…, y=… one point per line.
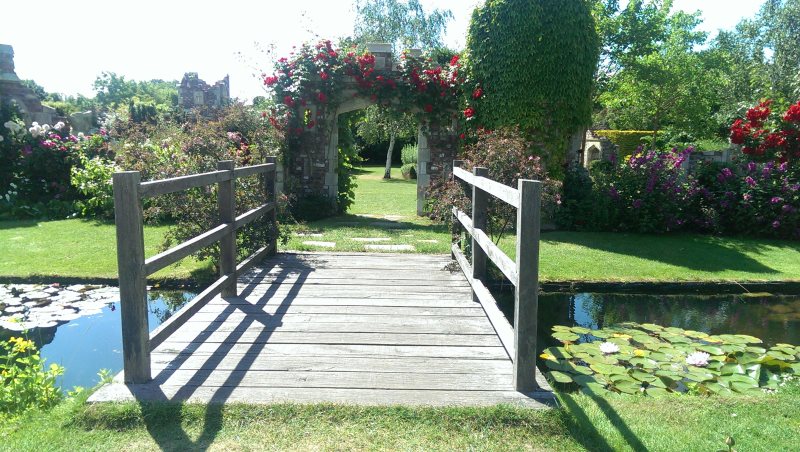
x=318, y=85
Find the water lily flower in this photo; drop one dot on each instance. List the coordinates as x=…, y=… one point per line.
x=548, y=356
x=699, y=359
x=609, y=348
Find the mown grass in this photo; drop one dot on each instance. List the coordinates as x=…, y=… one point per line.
x=686, y=422
x=76, y=249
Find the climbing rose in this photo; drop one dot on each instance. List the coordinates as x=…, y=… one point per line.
x=477, y=93
x=271, y=80
x=699, y=359
x=793, y=113
x=469, y=112
x=288, y=101
x=322, y=97
x=454, y=60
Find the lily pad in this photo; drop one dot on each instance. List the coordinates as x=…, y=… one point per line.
x=565, y=336
x=559, y=377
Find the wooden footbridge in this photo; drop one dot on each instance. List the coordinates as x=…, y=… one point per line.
x=353, y=328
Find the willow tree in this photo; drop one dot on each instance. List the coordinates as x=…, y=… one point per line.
x=534, y=62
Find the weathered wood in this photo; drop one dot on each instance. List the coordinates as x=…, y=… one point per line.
x=176, y=320
x=253, y=214
x=261, y=361
x=132, y=277
x=498, y=257
x=183, y=250
x=480, y=206
x=343, y=350
x=175, y=184
x=290, y=308
x=310, y=280
x=500, y=191
x=418, y=301
x=526, y=302
x=269, y=184
x=254, y=334
x=245, y=171
x=369, y=397
x=226, y=207
x=499, y=322
x=366, y=291
x=285, y=273
x=418, y=380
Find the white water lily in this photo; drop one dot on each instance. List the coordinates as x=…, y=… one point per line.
x=699, y=359
x=609, y=348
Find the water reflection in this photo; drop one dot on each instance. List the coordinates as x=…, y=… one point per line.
x=772, y=318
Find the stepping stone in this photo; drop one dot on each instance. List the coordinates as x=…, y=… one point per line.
x=371, y=239
x=389, y=247
x=308, y=234
x=320, y=244
x=428, y=241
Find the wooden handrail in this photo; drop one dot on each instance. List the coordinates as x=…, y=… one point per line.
x=133, y=268
x=523, y=273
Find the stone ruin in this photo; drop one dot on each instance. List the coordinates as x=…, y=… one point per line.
x=196, y=93
x=30, y=107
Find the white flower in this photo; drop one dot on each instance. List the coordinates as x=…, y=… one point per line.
x=1, y=138
x=609, y=348
x=14, y=127
x=81, y=136
x=699, y=359
x=36, y=129
x=46, y=127
x=59, y=125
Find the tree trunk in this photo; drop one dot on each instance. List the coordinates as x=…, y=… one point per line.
x=388, y=173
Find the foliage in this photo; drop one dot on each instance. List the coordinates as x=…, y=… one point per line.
x=508, y=157
x=627, y=140
x=113, y=91
x=348, y=160
x=26, y=383
x=405, y=25
x=531, y=65
x=92, y=178
x=408, y=156
x=655, y=361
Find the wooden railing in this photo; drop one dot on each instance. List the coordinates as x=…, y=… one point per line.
x=519, y=342
x=133, y=268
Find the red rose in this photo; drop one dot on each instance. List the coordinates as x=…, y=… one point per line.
x=271, y=80
x=322, y=97
x=428, y=108
x=311, y=124
x=477, y=93
x=454, y=60
x=469, y=112
x=793, y=113
x=324, y=75
x=288, y=101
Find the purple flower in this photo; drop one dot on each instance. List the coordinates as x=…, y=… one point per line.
x=795, y=187
x=637, y=203
x=776, y=224
x=776, y=200
x=751, y=166
x=726, y=173
x=750, y=181
x=26, y=150
x=747, y=196
x=613, y=192
x=782, y=168
x=787, y=208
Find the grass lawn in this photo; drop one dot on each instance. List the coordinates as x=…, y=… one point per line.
x=757, y=423
x=75, y=249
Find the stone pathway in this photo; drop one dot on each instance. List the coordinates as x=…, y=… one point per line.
x=29, y=306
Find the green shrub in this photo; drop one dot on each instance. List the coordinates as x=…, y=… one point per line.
x=409, y=171
x=92, y=178
x=25, y=381
x=409, y=154
x=627, y=140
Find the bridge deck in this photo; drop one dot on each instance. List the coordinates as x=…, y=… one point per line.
x=376, y=329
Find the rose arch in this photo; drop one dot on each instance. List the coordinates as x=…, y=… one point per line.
x=318, y=83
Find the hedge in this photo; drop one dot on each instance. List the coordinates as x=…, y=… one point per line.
x=627, y=140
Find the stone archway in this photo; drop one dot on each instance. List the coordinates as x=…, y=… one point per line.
x=312, y=161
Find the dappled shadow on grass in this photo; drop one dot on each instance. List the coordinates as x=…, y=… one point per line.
x=16, y=224
x=696, y=252
x=359, y=222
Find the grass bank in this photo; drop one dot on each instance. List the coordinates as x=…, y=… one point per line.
x=757, y=423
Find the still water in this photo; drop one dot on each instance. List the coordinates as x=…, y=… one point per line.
x=88, y=344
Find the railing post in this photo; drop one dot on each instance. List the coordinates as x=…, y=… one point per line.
x=226, y=204
x=480, y=204
x=526, y=299
x=455, y=230
x=132, y=277
x=272, y=196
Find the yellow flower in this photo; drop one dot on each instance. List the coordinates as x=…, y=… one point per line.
x=639, y=353
x=21, y=345
x=548, y=356
x=620, y=335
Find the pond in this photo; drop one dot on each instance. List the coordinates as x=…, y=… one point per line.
x=87, y=344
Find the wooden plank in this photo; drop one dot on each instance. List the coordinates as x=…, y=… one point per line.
x=346, y=291
x=162, y=187
x=269, y=185
x=172, y=361
x=335, y=273
x=362, y=322
x=370, y=397
x=480, y=205
x=233, y=325
x=341, y=350
x=132, y=276
x=176, y=320
x=280, y=309
x=186, y=248
x=377, y=284
x=419, y=380
x=526, y=301
x=430, y=301
x=254, y=334
x=245, y=171
x=226, y=213
x=253, y=214
x=498, y=257
x=500, y=191
x=503, y=329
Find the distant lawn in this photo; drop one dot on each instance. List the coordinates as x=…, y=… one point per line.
x=680, y=422
x=75, y=249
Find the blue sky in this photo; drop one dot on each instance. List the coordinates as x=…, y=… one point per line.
x=64, y=46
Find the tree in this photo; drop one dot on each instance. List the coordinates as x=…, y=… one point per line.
x=113, y=91
x=534, y=62
x=405, y=25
